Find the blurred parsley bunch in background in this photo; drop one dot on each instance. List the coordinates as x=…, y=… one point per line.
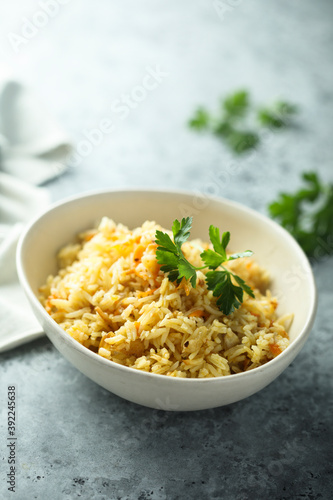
x=308, y=215
x=231, y=120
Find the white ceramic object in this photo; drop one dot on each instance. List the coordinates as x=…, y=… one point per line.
x=274, y=249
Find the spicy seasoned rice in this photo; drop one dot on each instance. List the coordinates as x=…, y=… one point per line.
x=111, y=296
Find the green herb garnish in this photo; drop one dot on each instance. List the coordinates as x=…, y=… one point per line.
x=240, y=142
x=231, y=121
x=277, y=116
x=308, y=215
x=236, y=105
x=170, y=255
x=200, y=120
x=226, y=286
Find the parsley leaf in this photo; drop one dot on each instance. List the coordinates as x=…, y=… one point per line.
x=277, y=116
x=243, y=285
x=219, y=246
x=230, y=296
x=181, y=231
x=308, y=215
x=223, y=129
x=241, y=141
x=240, y=255
x=165, y=242
x=169, y=254
x=172, y=260
x=236, y=105
x=215, y=259
x=168, y=260
x=187, y=271
x=212, y=259
x=200, y=120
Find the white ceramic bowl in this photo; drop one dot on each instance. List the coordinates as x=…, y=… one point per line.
x=274, y=248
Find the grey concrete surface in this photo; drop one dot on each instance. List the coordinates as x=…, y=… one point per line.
x=75, y=440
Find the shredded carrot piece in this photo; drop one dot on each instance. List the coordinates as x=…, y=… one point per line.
x=137, y=325
x=145, y=294
x=138, y=253
x=48, y=305
x=275, y=349
x=199, y=313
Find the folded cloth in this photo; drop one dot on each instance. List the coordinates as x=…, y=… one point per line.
x=32, y=146
x=18, y=202
x=33, y=150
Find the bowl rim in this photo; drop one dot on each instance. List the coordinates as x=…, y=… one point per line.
x=295, y=345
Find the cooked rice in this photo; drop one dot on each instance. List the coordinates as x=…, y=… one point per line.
x=111, y=296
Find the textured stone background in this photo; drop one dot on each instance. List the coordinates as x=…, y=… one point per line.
x=75, y=439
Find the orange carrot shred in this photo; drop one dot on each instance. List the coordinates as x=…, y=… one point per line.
x=199, y=313
x=275, y=349
x=145, y=294
x=138, y=253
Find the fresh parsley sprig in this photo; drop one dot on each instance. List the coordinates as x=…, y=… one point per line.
x=308, y=215
x=172, y=260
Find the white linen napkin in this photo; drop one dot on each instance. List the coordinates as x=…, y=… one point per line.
x=33, y=149
x=32, y=146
